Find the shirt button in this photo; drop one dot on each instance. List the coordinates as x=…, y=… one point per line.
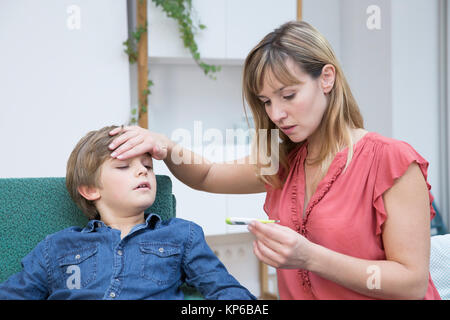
x=161, y=250
x=119, y=252
x=112, y=295
x=77, y=256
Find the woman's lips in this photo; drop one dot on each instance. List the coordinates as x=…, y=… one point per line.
x=288, y=129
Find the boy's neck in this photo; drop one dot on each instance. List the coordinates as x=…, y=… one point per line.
x=123, y=223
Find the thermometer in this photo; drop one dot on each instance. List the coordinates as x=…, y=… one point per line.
x=244, y=221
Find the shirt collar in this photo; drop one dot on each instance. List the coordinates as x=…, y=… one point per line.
x=151, y=221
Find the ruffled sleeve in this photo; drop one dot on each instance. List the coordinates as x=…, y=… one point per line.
x=394, y=158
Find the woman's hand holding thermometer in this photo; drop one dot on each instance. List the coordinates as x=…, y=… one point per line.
x=246, y=221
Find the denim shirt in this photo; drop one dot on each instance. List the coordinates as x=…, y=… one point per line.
x=151, y=262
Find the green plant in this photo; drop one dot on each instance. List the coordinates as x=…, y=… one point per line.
x=131, y=43
x=180, y=11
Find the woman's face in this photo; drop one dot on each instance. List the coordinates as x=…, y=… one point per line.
x=298, y=109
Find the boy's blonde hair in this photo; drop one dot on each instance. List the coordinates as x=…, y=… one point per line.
x=299, y=41
x=83, y=167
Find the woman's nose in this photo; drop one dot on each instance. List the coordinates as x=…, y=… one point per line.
x=277, y=113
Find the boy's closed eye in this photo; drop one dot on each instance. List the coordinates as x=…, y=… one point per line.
x=144, y=160
x=120, y=164
x=123, y=167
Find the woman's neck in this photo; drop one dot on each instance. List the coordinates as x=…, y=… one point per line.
x=314, y=143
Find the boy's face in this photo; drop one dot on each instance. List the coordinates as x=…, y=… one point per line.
x=127, y=186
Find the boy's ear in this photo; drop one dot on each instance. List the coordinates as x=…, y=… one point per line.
x=89, y=193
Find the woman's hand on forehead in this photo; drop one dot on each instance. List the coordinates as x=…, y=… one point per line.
x=136, y=141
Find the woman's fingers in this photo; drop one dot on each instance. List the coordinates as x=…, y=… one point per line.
x=159, y=152
x=131, y=140
x=115, y=131
x=272, y=235
x=135, y=151
x=273, y=230
x=284, y=247
x=122, y=128
x=265, y=254
x=267, y=246
x=137, y=146
x=122, y=138
x=135, y=141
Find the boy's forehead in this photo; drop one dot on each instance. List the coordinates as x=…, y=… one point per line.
x=145, y=156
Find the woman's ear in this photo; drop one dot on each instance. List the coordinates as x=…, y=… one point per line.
x=327, y=78
x=89, y=193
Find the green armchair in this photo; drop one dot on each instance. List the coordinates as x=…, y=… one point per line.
x=31, y=208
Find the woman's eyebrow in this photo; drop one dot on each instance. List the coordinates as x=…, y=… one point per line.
x=279, y=89
x=274, y=92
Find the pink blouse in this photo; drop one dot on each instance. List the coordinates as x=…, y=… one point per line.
x=345, y=214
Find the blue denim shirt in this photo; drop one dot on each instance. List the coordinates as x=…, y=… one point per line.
x=151, y=262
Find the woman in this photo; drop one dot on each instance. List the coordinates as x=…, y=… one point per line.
x=354, y=206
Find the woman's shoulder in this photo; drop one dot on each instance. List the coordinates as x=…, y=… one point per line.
x=387, y=144
x=381, y=139
x=387, y=154
x=393, y=153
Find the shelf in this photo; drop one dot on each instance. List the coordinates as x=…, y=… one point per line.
x=228, y=36
x=190, y=61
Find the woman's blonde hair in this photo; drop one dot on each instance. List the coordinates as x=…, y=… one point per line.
x=299, y=41
x=84, y=167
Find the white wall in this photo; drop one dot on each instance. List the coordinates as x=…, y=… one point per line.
x=325, y=16
x=58, y=83
x=182, y=94
x=415, y=81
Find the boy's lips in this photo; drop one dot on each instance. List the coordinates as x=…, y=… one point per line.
x=143, y=185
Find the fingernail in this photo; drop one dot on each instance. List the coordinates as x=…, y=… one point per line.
x=113, y=154
x=111, y=146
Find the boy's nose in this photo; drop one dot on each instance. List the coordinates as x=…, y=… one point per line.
x=142, y=171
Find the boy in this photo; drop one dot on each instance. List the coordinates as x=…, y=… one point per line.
x=122, y=253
